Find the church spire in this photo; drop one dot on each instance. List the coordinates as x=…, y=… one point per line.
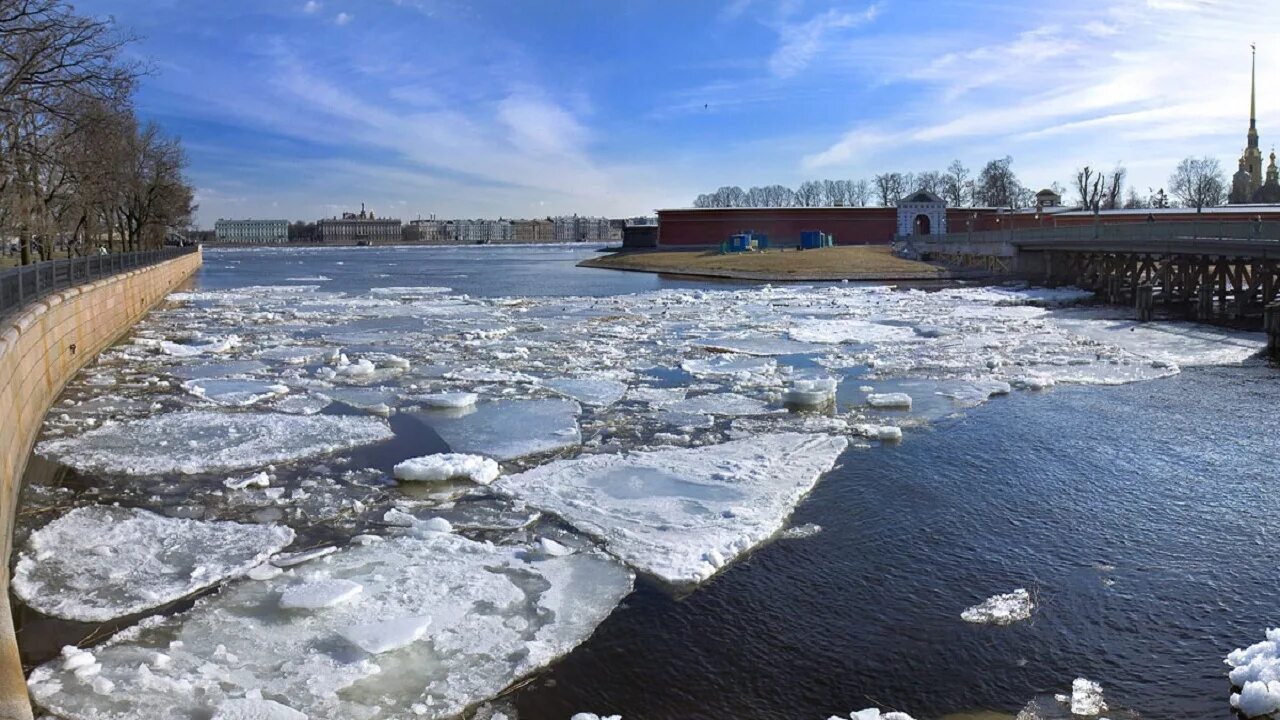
x=1253, y=88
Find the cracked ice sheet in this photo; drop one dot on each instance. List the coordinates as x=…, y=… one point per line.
x=209, y=441
x=98, y=562
x=1172, y=343
x=497, y=614
x=509, y=429
x=682, y=514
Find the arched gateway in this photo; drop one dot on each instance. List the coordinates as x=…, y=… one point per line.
x=922, y=213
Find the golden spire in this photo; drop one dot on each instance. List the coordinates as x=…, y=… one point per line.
x=1253, y=86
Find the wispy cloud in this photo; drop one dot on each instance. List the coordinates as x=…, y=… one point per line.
x=342, y=18
x=800, y=42
x=312, y=6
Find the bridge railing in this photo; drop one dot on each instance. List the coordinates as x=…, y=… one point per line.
x=23, y=285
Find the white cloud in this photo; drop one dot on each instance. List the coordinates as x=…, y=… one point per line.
x=342, y=18
x=799, y=43
x=311, y=6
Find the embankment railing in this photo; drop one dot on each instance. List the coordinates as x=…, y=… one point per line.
x=23, y=285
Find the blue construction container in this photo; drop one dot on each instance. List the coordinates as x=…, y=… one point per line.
x=814, y=239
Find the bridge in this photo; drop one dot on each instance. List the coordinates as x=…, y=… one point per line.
x=1205, y=270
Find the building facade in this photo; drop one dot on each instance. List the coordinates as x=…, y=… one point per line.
x=573, y=228
x=1249, y=184
x=483, y=232
x=533, y=231
x=435, y=232
x=256, y=232
x=359, y=228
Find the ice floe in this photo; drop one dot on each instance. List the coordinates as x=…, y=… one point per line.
x=448, y=466
x=1002, y=609
x=497, y=613
x=510, y=429
x=873, y=714
x=1255, y=670
x=208, y=441
x=598, y=392
x=682, y=514
x=99, y=562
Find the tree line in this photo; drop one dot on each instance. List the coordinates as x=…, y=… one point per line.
x=1195, y=183
x=79, y=172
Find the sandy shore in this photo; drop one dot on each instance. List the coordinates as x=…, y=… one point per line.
x=851, y=262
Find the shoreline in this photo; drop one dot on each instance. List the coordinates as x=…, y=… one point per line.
x=860, y=263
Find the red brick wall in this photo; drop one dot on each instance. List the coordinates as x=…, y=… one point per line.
x=848, y=226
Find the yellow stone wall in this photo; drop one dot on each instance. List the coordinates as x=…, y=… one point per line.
x=36, y=362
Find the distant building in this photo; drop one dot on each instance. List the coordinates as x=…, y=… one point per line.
x=580, y=229
x=483, y=232
x=435, y=232
x=533, y=231
x=356, y=228
x=256, y=232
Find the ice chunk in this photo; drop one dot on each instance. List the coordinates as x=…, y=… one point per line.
x=208, y=441
x=682, y=514
x=234, y=392
x=1002, y=609
x=500, y=613
x=730, y=366
x=258, y=480
x=447, y=466
x=1086, y=698
x=255, y=709
x=285, y=560
x=510, y=429
x=890, y=433
x=1257, y=698
x=719, y=404
x=316, y=594
x=889, y=400
x=593, y=716
x=446, y=399
x=379, y=637
x=810, y=392
x=596, y=392
x=874, y=714
x=848, y=330
x=98, y=562
x=655, y=395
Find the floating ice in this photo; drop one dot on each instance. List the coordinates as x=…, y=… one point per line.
x=1086, y=698
x=848, y=330
x=445, y=400
x=317, y=594
x=285, y=560
x=682, y=514
x=597, y=392
x=510, y=429
x=1256, y=671
x=719, y=404
x=206, y=441
x=873, y=714
x=448, y=466
x=98, y=562
x=234, y=392
x=593, y=716
x=811, y=392
x=1002, y=609
x=729, y=366
x=890, y=433
x=258, y=480
x=499, y=613
x=379, y=637
x=255, y=709
x=889, y=400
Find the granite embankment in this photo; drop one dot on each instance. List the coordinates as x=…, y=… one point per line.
x=41, y=349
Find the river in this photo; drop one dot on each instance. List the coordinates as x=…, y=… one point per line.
x=1133, y=499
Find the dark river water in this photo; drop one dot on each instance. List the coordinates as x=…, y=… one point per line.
x=1145, y=518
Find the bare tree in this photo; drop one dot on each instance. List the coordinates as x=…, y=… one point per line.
x=998, y=186
x=1115, y=183
x=809, y=194
x=889, y=188
x=1199, y=182
x=859, y=193
x=956, y=187
x=930, y=180
x=1091, y=187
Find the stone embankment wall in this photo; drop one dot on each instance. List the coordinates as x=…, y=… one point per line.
x=41, y=349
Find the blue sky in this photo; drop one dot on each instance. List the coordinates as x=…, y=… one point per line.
x=301, y=109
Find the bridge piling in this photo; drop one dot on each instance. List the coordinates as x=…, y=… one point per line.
x=1145, y=302
x=1271, y=323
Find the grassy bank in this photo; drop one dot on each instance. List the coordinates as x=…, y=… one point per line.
x=852, y=262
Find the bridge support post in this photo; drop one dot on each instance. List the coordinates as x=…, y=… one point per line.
x=1145, y=302
x=1204, y=302
x=1271, y=322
